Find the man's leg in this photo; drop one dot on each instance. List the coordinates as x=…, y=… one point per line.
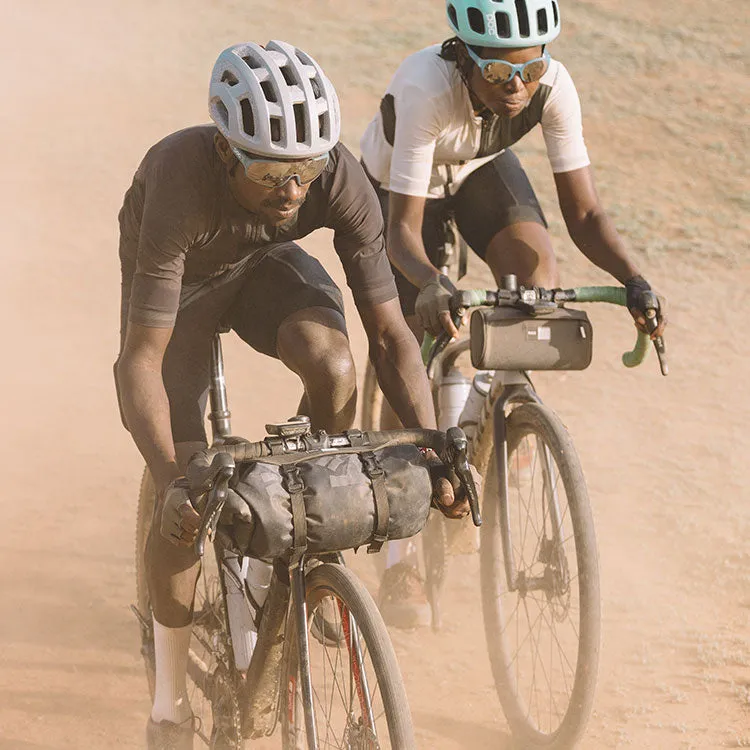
x=291, y=309
x=173, y=571
x=313, y=343
x=172, y=575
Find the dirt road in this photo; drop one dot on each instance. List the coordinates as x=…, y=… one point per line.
x=89, y=86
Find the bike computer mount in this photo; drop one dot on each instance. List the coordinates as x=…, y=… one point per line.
x=294, y=427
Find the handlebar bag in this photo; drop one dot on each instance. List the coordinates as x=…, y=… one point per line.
x=504, y=338
x=335, y=502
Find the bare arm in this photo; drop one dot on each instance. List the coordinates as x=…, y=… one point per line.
x=589, y=226
x=394, y=353
x=406, y=249
x=404, y=238
x=144, y=399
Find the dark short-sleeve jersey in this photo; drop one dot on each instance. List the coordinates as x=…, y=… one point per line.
x=181, y=226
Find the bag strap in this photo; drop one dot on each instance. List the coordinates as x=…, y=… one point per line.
x=295, y=487
x=375, y=472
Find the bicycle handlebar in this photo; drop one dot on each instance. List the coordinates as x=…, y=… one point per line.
x=209, y=471
x=538, y=301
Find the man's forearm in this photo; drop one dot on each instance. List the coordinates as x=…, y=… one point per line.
x=596, y=237
x=146, y=409
x=403, y=380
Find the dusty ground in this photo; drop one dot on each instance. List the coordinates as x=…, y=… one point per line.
x=89, y=86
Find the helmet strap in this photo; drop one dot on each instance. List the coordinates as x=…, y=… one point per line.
x=464, y=65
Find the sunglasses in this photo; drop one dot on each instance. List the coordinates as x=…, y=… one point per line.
x=501, y=71
x=275, y=174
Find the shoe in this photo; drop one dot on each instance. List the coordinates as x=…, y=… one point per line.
x=402, y=599
x=169, y=736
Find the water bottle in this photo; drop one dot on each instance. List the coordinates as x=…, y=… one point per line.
x=245, y=576
x=480, y=387
x=452, y=393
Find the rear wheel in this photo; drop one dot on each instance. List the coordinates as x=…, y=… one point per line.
x=359, y=700
x=214, y=686
x=543, y=636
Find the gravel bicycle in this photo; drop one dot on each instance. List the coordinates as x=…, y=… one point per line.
x=538, y=556
x=301, y=646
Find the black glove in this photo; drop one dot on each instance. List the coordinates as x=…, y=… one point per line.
x=634, y=287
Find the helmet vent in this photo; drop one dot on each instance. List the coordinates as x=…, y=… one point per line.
x=252, y=63
x=476, y=20
x=555, y=14
x=248, y=121
x=229, y=77
x=523, y=18
x=502, y=21
x=322, y=126
x=275, y=129
x=288, y=77
x=453, y=16
x=299, y=121
x=316, y=87
x=541, y=21
x=269, y=91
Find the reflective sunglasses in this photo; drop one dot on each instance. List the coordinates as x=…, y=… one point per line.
x=273, y=174
x=501, y=71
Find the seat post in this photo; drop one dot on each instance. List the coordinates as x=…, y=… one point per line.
x=221, y=424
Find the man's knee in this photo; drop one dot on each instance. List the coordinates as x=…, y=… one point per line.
x=314, y=344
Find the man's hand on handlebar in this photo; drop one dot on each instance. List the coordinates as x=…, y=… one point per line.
x=449, y=495
x=648, y=309
x=179, y=519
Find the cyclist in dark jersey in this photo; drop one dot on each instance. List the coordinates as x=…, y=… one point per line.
x=208, y=232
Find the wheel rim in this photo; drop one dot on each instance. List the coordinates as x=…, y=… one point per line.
x=347, y=700
x=540, y=621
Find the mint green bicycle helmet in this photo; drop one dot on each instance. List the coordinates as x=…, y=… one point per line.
x=504, y=23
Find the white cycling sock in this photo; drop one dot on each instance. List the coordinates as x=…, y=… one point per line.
x=171, y=646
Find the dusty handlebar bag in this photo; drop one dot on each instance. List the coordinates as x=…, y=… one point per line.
x=504, y=338
x=335, y=502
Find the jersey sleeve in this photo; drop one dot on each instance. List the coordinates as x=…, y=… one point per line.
x=417, y=129
x=356, y=218
x=162, y=240
x=562, y=125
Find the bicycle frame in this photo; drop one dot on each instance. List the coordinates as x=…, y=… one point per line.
x=508, y=388
x=262, y=698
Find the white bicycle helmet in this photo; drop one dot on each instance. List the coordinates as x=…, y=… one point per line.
x=504, y=23
x=274, y=102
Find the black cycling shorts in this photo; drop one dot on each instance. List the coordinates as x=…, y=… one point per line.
x=254, y=304
x=491, y=198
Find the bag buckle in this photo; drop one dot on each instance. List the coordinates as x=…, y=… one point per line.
x=293, y=480
x=371, y=465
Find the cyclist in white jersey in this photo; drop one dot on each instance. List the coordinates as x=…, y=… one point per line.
x=439, y=147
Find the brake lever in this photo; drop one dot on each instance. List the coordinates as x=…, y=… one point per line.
x=651, y=309
x=217, y=497
x=456, y=450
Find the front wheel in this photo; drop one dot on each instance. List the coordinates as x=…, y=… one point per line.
x=543, y=628
x=359, y=700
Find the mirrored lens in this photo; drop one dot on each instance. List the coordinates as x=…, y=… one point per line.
x=277, y=173
x=498, y=72
x=534, y=70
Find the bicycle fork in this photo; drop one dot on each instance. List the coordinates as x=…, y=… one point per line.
x=518, y=581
